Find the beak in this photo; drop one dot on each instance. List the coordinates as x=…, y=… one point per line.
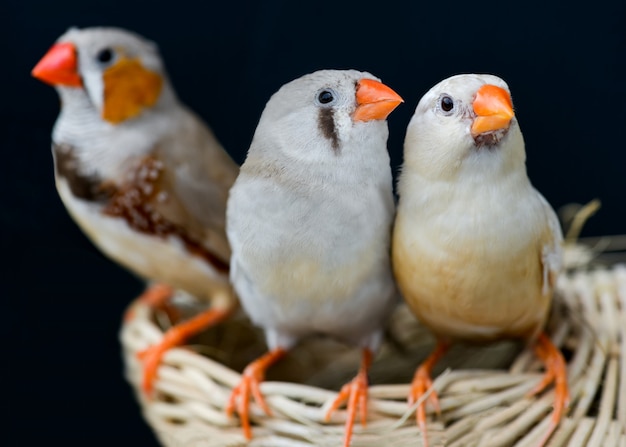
x=59, y=66
x=494, y=109
x=375, y=100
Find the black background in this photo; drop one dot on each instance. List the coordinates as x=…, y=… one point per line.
x=64, y=300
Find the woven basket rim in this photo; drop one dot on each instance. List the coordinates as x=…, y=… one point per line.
x=482, y=407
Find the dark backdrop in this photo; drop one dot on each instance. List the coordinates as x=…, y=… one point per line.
x=64, y=300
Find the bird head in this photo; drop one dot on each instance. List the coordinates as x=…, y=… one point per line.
x=120, y=72
x=464, y=122
x=326, y=115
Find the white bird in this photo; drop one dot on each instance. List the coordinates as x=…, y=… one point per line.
x=141, y=174
x=309, y=222
x=476, y=248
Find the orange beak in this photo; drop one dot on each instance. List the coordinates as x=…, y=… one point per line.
x=375, y=100
x=494, y=109
x=59, y=66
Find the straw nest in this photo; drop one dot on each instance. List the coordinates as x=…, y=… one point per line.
x=482, y=390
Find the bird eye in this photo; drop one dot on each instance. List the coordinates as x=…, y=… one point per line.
x=325, y=96
x=446, y=103
x=105, y=56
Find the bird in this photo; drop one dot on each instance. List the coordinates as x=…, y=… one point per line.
x=309, y=223
x=141, y=174
x=476, y=249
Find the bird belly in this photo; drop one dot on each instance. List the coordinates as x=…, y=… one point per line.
x=475, y=294
x=162, y=259
x=305, y=297
x=319, y=266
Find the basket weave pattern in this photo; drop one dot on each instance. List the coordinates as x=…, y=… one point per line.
x=482, y=390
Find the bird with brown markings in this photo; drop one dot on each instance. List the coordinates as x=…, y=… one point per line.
x=141, y=174
x=476, y=248
x=309, y=221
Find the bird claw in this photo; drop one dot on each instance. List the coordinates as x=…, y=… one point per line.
x=355, y=393
x=175, y=336
x=546, y=380
x=151, y=359
x=422, y=382
x=249, y=386
x=556, y=371
x=239, y=400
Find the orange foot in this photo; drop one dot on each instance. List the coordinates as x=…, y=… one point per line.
x=422, y=382
x=251, y=378
x=556, y=372
x=355, y=392
x=176, y=336
x=154, y=296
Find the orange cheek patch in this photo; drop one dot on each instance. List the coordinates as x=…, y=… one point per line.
x=128, y=89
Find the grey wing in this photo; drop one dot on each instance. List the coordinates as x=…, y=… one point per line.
x=201, y=176
x=552, y=246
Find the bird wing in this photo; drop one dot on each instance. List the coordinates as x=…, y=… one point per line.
x=181, y=189
x=551, y=248
x=203, y=171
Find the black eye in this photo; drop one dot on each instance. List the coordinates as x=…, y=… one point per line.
x=105, y=55
x=325, y=96
x=447, y=104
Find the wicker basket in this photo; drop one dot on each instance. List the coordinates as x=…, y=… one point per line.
x=482, y=389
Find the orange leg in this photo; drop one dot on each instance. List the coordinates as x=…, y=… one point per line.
x=555, y=372
x=154, y=296
x=176, y=336
x=251, y=378
x=355, y=392
x=422, y=381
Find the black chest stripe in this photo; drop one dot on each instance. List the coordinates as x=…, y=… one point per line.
x=326, y=123
x=83, y=187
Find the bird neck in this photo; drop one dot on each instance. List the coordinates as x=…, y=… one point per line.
x=357, y=162
x=80, y=126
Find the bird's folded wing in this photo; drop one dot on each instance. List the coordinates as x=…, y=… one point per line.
x=197, y=180
x=552, y=247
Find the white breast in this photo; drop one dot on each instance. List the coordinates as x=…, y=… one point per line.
x=150, y=257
